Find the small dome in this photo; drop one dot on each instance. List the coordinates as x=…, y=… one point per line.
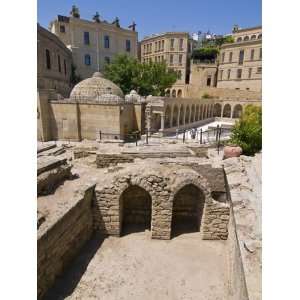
x=93, y=88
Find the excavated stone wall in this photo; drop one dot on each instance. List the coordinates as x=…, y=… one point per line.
x=162, y=186
x=106, y=160
x=61, y=242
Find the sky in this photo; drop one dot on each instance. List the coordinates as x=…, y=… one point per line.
x=156, y=16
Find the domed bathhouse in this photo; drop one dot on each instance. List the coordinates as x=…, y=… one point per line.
x=96, y=108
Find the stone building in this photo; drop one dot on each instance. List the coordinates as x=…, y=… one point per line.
x=54, y=61
x=94, y=43
x=203, y=74
x=240, y=63
x=172, y=47
x=95, y=105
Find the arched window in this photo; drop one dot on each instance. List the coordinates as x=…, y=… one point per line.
x=48, y=59
x=253, y=37
x=174, y=93
x=106, y=41
x=87, y=60
x=246, y=38
x=239, y=39
x=179, y=93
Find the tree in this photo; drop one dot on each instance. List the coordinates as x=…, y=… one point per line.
x=74, y=78
x=147, y=79
x=208, y=53
x=247, y=132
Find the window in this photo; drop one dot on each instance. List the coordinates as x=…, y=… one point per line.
x=65, y=67
x=223, y=57
x=87, y=60
x=128, y=45
x=181, y=44
x=252, y=54
x=228, y=73
x=162, y=45
x=159, y=45
x=106, y=41
x=208, y=81
x=259, y=70
x=107, y=60
x=249, y=72
x=48, y=59
x=62, y=28
x=155, y=46
x=58, y=62
x=179, y=75
x=241, y=57
x=260, y=53
x=221, y=74
x=230, y=57
x=171, y=59
x=172, y=44
x=144, y=48
x=239, y=74
x=86, y=38
x=180, y=59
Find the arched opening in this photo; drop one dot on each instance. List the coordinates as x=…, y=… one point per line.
x=239, y=39
x=187, y=210
x=237, y=111
x=201, y=112
x=197, y=113
x=167, y=117
x=217, y=110
x=204, y=112
x=179, y=93
x=187, y=115
x=253, y=37
x=193, y=114
x=246, y=38
x=259, y=36
x=135, y=210
x=174, y=93
x=175, y=116
x=167, y=93
x=227, y=111
x=181, y=113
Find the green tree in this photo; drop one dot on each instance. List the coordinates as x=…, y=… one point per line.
x=147, y=79
x=74, y=78
x=247, y=132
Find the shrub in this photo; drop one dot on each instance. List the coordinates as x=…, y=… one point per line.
x=247, y=132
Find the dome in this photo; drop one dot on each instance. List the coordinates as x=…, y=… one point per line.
x=92, y=89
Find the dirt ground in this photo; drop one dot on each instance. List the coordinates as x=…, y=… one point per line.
x=135, y=267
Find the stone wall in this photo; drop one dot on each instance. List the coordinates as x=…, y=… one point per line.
x=106, y=160
x=61, y=242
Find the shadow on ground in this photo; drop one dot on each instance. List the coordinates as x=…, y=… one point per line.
x=65, y=284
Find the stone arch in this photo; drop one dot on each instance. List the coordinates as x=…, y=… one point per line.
x=227, y=111
x=193, y=114
x=174, y=93
x=168, y=117
x=239, y=39
x=187, y=210
x=253, y=37
x=175, y=116
x=187, y=115
x=259, y=36
x=197, y=113
x=181, y=115
x=168, y=93
x=135, y=209
x=217, y=110
x=179, y=93
x=237, y=111
x=246, y=38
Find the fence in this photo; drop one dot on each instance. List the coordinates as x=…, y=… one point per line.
x=209, y=136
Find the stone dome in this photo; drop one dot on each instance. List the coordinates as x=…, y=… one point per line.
x=92, y=89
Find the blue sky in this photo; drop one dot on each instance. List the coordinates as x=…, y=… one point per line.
x=154, y=16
